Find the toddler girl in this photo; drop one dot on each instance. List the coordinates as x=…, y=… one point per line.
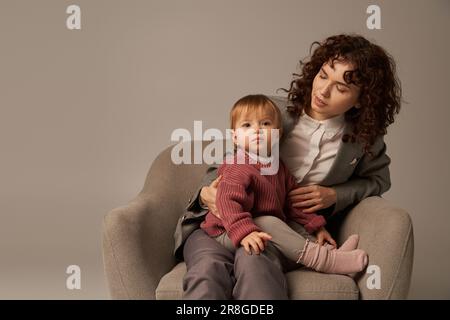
x=254, y=206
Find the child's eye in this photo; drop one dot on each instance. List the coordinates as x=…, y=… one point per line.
x=267, y=123
x=245, y=125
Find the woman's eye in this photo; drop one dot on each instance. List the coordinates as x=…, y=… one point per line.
x=322, y=76
x=340, y=89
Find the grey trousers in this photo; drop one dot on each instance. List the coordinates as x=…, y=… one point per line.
x=214, y=272
x=289, y=238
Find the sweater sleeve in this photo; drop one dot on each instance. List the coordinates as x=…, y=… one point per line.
x=311, y=221
x=234, y=200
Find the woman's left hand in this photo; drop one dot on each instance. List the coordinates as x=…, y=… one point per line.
x=313, y=198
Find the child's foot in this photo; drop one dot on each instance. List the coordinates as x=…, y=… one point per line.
x=350, y=244
x=321, y=259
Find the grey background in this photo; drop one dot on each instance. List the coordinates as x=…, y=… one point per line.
x=84, y=113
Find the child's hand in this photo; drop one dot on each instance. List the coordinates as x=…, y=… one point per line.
x=255, y=241
x=324, y=236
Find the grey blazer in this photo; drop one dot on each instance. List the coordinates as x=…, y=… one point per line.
x=354, y=175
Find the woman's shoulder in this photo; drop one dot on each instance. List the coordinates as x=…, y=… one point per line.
x=280, y=101
x=356, y=149
x=288, y=119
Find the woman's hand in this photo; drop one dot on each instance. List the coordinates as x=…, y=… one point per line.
x=323, y=236
x=313, y=198
x=208, y=197
x=255, y=242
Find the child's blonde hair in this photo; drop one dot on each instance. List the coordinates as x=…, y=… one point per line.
x=255, y=103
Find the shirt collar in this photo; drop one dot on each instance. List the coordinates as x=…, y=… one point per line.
x=332, y=126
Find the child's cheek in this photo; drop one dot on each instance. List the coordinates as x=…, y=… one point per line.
x=242, y=139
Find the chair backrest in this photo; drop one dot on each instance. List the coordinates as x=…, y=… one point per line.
x=171, y=185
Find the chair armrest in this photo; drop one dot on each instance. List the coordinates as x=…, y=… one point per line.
x=386, y=234
x=135, y=255
x=138, y=239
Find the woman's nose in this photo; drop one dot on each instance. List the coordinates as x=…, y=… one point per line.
x=325, y=90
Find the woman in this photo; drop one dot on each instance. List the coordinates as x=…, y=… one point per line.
x=334, y=119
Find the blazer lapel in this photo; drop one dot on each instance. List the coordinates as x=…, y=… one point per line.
x=345, y=161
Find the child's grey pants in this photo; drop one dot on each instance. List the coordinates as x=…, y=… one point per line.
x=289, y=238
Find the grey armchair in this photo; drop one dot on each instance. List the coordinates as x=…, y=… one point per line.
x=138, y=243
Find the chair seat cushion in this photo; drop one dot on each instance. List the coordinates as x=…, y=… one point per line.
x=306, y=284
x=303, y=284
x=170, y=286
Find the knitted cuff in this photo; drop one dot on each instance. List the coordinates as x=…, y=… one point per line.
x=315, y=224
x=302, y=252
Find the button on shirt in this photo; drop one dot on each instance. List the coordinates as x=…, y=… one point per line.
x=310, y=149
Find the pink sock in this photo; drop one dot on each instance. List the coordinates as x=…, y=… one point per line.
x=350, y=244
x=321, y=259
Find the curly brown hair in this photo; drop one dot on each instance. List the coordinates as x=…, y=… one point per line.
x=374, y=73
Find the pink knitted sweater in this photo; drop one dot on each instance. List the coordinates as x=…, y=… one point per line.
x=244, y=193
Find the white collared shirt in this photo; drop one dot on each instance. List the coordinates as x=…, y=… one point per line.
x=310, y=149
